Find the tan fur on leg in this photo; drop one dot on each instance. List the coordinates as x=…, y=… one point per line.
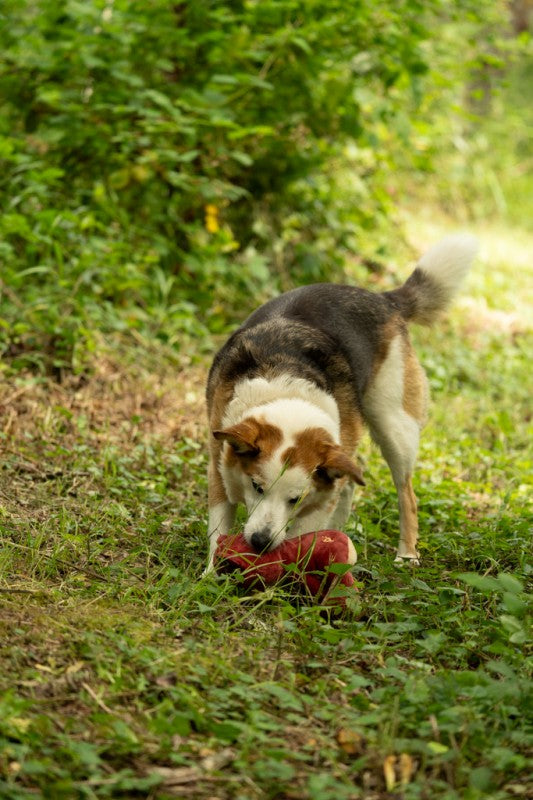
x=408, y=523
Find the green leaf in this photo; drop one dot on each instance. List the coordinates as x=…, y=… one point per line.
x=302, y=44
x=203, y=608
x=339, y=569
x=482, y=582
x=286, y=698
x=225, y=79
x=510, y=583
x=242, y=158
x=517, y=634
x=124, y=731
x=514, y=605
x=422, y=585
x=227, y=731
x=437, y=748
x=481, y=779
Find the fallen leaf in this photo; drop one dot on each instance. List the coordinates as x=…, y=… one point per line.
x=20, y=724
x=407, y=768
x=175, y=776
x=75, y=667
x=350, y=741
x=218, y=760
x=389, y=773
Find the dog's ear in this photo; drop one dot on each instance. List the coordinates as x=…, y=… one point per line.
x=335, y=464
x=242, y=438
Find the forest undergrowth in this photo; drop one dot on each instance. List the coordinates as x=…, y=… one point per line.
x=124, y=673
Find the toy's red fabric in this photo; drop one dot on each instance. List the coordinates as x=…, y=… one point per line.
x=304, y=559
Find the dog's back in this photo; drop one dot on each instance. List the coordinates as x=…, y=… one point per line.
x=329, y=333
x=325, y=333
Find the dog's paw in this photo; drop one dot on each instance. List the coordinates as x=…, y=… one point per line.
x=414, y=561
x=209, y=570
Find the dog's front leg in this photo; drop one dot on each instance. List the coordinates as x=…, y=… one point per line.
x=221, y=520
x=221, y=513
x=344, y=506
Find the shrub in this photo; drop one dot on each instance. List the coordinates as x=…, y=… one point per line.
x=157, y=156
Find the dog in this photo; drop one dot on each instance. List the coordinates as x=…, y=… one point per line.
x=289, y=394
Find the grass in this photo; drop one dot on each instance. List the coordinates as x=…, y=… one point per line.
x=125, y=674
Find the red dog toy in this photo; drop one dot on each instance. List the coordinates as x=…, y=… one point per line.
x=305, y=559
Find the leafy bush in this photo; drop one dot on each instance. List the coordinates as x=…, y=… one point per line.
x=157, y=156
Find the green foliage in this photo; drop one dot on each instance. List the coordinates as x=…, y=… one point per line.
x=157, y=157
x=471, y=143
x=125, y=673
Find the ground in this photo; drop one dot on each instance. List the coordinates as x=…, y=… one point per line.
x=124, y=673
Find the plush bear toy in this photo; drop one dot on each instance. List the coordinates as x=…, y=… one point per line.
x=304, y=560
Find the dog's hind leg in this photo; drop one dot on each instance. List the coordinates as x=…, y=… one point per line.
x=398, y=441
x=395, y=409
x=408, y=522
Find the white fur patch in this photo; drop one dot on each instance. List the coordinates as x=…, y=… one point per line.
x=396, y=431
x=221, y=519
x=253, y=392
x=293, y=415
x=448, y=261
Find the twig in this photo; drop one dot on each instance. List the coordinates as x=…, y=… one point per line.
x=98, y=700
x=15, y=395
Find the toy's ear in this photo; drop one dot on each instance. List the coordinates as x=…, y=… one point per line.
x=242, y=438
x=336, y=464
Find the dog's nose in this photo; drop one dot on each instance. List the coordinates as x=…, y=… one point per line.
x=261, y=540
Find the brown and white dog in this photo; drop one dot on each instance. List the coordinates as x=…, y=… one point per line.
x=289, y=393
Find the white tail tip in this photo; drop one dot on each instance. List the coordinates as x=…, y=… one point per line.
x=448, y=261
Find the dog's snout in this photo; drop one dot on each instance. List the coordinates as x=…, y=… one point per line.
x=261, y=540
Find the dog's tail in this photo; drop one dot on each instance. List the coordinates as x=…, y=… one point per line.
x=436, y=279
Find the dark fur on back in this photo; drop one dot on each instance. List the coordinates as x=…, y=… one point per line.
x=326, y=333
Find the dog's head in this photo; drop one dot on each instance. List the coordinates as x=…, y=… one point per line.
x=282, y=470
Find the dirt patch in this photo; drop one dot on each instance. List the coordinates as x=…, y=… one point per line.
x=115, y=403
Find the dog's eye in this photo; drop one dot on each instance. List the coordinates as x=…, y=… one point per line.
x=257, y=488
x=294, y=500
